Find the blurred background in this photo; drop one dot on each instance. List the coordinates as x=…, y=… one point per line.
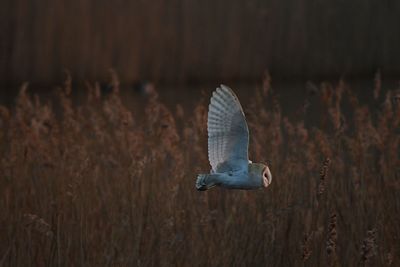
x=190, y=42
x=98, y=167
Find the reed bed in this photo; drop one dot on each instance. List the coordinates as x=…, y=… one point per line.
x=96, y=184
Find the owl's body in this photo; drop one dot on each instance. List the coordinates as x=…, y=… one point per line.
x=241, y=179
x=228, y=140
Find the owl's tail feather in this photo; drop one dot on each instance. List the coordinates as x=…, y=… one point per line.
x=204, y=182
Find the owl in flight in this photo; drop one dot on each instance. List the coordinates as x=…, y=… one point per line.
x=228, y=142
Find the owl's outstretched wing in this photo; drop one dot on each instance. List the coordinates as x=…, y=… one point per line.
x=228, y=134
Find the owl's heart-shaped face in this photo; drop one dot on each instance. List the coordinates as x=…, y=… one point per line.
x=267, y=177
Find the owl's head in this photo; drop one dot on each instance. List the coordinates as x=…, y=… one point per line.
x=262, y=171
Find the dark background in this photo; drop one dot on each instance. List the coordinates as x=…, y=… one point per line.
x=196, y=42
x=96, y=174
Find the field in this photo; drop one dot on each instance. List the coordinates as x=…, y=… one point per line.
x=95, y=184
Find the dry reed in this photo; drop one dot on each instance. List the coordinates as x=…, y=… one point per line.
x=97, y=184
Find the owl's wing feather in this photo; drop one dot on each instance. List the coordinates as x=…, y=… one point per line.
x=228, y=134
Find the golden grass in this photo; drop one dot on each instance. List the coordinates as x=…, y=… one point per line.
x=97, y=185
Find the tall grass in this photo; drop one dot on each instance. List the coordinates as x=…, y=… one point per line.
x=97, y=185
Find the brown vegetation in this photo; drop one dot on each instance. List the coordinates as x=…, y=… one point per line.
x=95, y=184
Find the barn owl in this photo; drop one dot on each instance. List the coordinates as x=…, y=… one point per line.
x=228, y=141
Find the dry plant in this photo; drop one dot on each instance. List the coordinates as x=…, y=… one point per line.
x=95, y=183
x=368, y=248
x=332, y=238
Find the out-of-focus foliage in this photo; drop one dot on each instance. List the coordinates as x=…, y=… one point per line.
x=188, y=41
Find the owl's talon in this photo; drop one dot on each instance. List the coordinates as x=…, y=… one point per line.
x=201, y=182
